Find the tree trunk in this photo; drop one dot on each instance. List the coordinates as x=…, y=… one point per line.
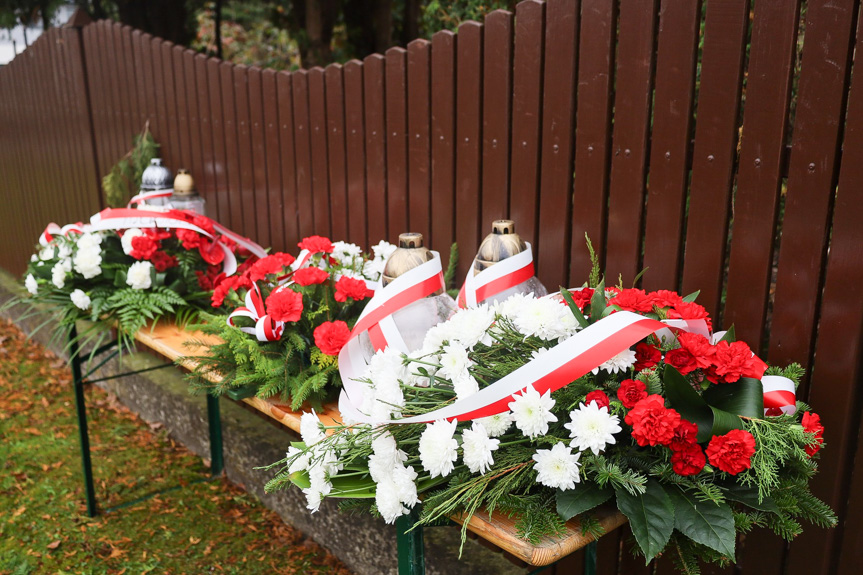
x=320, y=19
x=383, y=11
x=411, y=24
x=168, y=19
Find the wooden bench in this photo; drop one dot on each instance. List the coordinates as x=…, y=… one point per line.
x=168, y=340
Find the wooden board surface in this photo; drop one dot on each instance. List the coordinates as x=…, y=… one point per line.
x=170, y=341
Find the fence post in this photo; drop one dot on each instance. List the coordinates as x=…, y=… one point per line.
x=77, y=22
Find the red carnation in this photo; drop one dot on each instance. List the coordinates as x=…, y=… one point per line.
x=699, y=346
x=665, y=298
x=633, y=300
x=272, y=264
x=684, y=436
x=156, y=234
x=582, y=297
x=689, y=310
x=190, y=240
x=221, y=289
x=731, y=452
x=681, y=360
x=204, y=223
x=316, y=244
x=331, y=336
x=143, y=247
x=352, y=288
x=631, y=392
x=309, y=276
x=812, y=424
x=285, y=305
x=598, y=396
x=733, y=361
x=162, y=261
x=688, y=461
x=646, y=356
x=652, y=423
x=211, y=252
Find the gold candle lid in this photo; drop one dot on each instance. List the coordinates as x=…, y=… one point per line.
x=500, y=244
x=411, y=253
x=184, y=184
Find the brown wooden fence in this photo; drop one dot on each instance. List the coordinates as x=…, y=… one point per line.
x=665, y=129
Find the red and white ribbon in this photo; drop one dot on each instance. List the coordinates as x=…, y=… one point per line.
x=376, y=320
x=491, y=281
x=559, y=366
x=52, y=230
x=779, y=395
x=266, y=328
x=126, y=218
x=144, y=196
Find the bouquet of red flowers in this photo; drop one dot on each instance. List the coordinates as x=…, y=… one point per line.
x=127, y=267
x=289, y=316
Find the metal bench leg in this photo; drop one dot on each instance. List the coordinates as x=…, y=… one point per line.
x=81, y=409
x=410, y=545
x=590, y=559
x=217, y=461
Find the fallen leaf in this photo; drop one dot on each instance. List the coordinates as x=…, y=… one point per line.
x=19, y=511
x=32, y=431
x=54, y=545
x=194, y=540
x=115, y=552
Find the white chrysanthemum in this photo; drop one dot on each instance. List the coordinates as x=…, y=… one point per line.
x=313, y=499
x=557, y=467
x=454, y=362
x=386, y=370
x=127, y=238
x=511, y=306
x=46, y=253
x=373, y=269
x=64, y=252
x=592, y=427
x=545, y=318
x=387, y=501
x=31, y=284
x=311, y=428
x=619, y=363
x=88, y=261
x=383, y=250
x=436, y=337
x=58, y=275
x=497, y=425
x=34, y=258
x=88, y=240
x=470, y=326
x=138, y=276
x=318, y=478
x=477, y=448
x=386, y=457
x=465, y=385
x=80, y=299
x=438, y=449
x=346, y=253
x=414, y=376
x=298, y=460
x=404, y=479
x=532, y=412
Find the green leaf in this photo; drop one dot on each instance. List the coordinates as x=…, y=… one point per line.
x=651, y=517
x=567, y=297
x=598, y=302
x=749, y=497
x=584, y=497
x=743, y=397
x=723, y=422
x=688, y=403
x=729, y=336
x=704, y=522
x=691, y=297
x=300, y=479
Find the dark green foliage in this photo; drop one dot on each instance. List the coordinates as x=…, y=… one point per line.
x=124, y=179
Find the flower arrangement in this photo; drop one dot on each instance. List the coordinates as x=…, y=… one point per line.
x=289, y=318
x=123, y=277
x=546, y=408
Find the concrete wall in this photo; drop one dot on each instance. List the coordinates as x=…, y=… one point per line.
x=364, y=543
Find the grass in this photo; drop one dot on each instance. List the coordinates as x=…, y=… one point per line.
x=203, y=527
